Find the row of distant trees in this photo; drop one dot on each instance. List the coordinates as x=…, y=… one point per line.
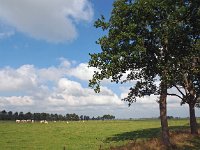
x=4, y=115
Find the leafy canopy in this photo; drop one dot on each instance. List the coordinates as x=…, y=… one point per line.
x=146, y=39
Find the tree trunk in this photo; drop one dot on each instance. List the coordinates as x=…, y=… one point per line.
x=193, y=121
x=163, y=115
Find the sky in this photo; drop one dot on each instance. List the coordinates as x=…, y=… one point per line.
x=44, y=54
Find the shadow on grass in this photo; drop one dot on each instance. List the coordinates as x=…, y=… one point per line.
x=142, y=134
x=133, y=135
x=194, y=144
x=176, y=134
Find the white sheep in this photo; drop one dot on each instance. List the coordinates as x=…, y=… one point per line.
x=24, y=121
x=28, y=121
x=17, y=121
x=42, y=121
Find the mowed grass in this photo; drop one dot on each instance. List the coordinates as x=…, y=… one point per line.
x=88, y=135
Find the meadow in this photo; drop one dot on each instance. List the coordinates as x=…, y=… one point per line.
x=88, y=135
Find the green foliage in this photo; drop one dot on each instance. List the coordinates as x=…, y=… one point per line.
x=72, y=117
x=108, y=117
x=147, y=39
x=37, y=116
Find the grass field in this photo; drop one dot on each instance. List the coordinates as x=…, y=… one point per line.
x=89, y=135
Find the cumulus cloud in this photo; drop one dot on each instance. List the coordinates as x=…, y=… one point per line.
x=82, y=71
x=17, y=100
x=48, y=88
x=22, y=78
x=73, y=94
x=51, y=73
x=65, y=63
x=54, y=89
x=85, y=73
x=50, y=20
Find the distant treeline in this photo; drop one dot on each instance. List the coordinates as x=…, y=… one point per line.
x=4, y=115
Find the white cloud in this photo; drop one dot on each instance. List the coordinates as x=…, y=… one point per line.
x=17, y=100
x=51, y=73
x=52, y=89
x=73, y=94
x=70, y=87
x=50, y=20
x=65, y=63
x=82, y=71
x=22, y=78
x=85, y=73
x=48, y=88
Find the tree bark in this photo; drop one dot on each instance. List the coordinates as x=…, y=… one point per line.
x=193, y=121
x=163, y=115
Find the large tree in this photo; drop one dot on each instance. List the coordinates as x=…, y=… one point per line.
x=140, y=42
x=185, y=72
x=187, y=83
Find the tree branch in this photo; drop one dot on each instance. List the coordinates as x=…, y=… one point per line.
x=179, y=90
x=175, y=95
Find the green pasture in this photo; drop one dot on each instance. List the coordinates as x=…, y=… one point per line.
x=88, y=135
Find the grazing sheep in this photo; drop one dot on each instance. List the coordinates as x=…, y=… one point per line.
x=18, y=121
x=42, y=121
x=28, y=121
x=67, y=122
x=32, y=121
x=46, y=122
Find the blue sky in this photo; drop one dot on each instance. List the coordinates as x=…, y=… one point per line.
x=44, y=47
x=23, y=49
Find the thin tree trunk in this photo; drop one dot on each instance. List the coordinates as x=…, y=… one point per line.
x=163, y=115
x=193, y=121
